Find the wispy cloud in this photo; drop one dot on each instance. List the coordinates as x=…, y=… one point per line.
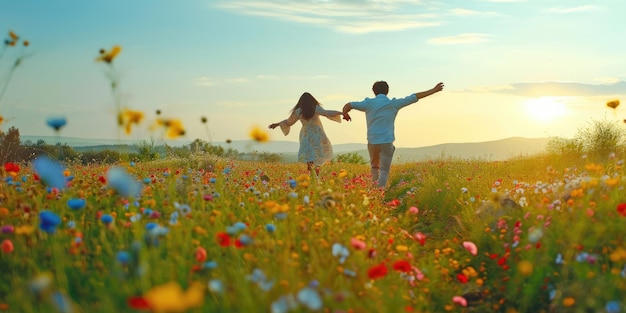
x=557, y=89
x=237, y=80
x=466, y=12
x=350, y=16
x=582, y=8
x=466, y=38
x=204, y=81
x=210, y=82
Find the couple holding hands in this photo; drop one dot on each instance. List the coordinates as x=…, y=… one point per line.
x=380, y=114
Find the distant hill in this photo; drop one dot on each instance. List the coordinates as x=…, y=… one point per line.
x=496, y=150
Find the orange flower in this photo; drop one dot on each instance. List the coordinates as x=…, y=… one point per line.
x=109, y=56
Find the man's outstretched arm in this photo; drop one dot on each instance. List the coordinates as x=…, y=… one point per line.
x=437, y=88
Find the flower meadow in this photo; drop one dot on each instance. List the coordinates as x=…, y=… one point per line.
x=207, y=234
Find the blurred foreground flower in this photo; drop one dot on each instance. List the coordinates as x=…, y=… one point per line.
x=14, y=39
x=127, y=118
x=259, y=135
x=613, y=104
x=108, y=56
x=173, y=127
x=56, y=123
x=122, y=182
x=170, y=297
x=50, y=172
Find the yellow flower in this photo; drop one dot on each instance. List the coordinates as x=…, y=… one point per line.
x=259, y=135
x=402, y=248
x=170, y=297
x=13, y=35
x=1, y=119
x=174, y=127
x=24, y=230
x=128, y=118
x=109, y=56
x=613, y=104
x=525, y=267
x=618, y=255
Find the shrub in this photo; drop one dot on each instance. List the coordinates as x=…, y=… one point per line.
x=601, y=138
x=351, y=158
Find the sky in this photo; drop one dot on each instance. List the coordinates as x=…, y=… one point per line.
x=534, y=68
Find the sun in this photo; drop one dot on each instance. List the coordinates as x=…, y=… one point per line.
x=545, y=108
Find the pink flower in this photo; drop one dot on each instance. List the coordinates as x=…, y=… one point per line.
x=459, y=300
x=471, y=247
x=414, y=210
x=419, y=236
x=357, y=244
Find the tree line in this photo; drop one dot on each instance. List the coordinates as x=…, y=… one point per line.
x=12, y=149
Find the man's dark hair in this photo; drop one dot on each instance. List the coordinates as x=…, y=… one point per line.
x=380, y=87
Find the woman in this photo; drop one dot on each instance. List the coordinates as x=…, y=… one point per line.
x=315, y=148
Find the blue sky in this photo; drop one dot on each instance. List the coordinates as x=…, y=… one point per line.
x=511, y=68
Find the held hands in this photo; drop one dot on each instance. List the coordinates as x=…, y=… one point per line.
x=346, y=117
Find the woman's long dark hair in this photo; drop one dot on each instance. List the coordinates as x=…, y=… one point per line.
x=307, y=104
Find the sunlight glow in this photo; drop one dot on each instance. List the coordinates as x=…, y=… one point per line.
x=545, y=108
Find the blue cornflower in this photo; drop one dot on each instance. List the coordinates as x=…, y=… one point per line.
x=123, y=257
x=106, y=219
x=270, y=228
x=76, y=204
x=48, y=221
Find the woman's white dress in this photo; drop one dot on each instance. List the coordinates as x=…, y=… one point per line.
x=314, y=144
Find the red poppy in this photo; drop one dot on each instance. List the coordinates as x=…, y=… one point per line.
x=102, y=179
x=462, y=278
x=138, y=303
x=223, y=239
x=377, y=271
x=502, y=261
x=621, y=209
x=11, y=167
x=402, y=266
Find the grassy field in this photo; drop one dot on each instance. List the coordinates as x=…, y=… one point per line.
x=204, y=234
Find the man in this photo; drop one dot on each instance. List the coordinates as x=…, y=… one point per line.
x=380, y=113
